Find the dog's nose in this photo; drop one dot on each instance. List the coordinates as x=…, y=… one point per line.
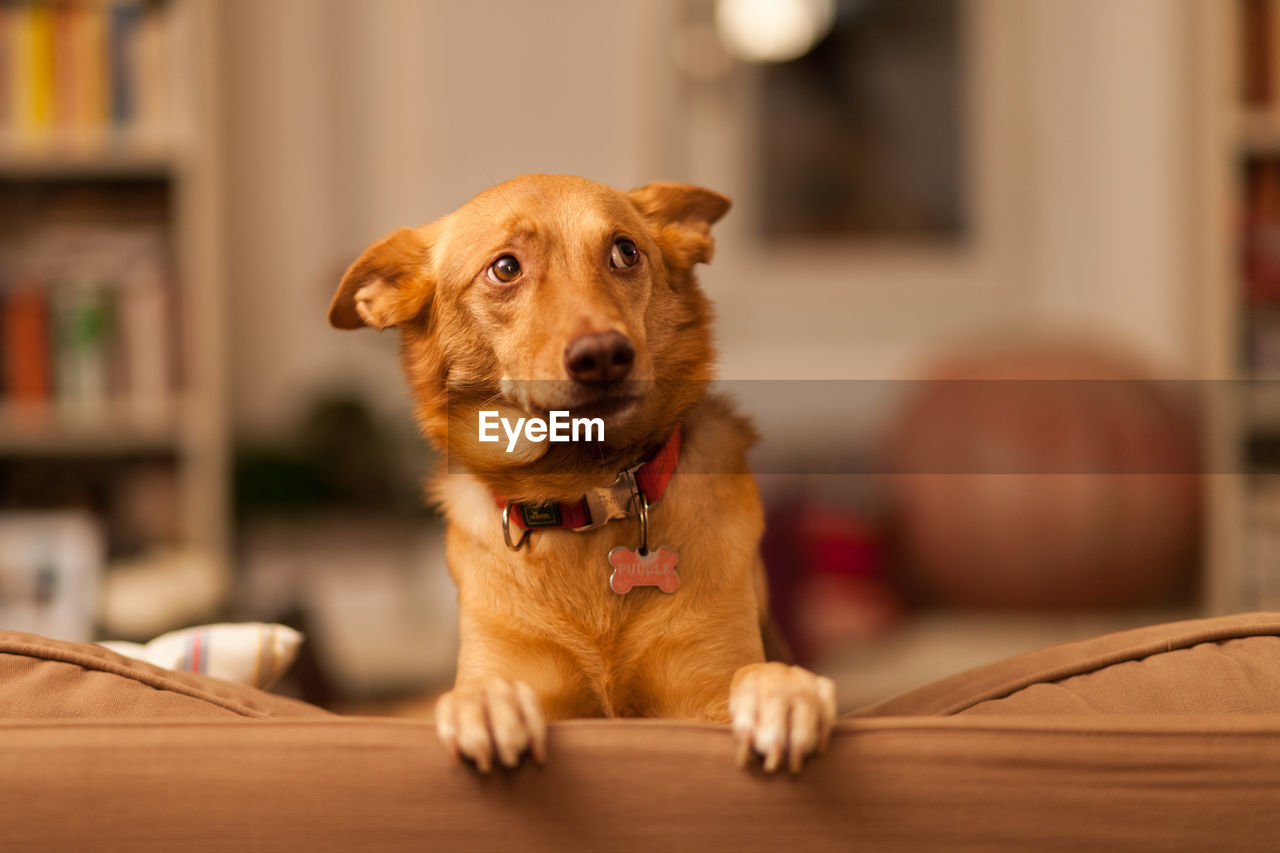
x=599, y=358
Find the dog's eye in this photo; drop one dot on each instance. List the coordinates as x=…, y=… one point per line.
x=505, y=269
x=624, y=254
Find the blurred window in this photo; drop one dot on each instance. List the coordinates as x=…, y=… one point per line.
x=862, y=135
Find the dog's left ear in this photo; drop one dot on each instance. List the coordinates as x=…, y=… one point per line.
x=682, y=217
x=388, y=285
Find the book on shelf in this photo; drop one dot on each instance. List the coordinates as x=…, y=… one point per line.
x=1259, y=54
x=1262, y=340
x=85, y=73
x=83, y=314
x=24, y=333
x=1262, y=582
x=1260, y=264
x=87, y=314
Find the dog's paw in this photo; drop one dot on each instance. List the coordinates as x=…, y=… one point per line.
x=781, y=711
x=492, y=718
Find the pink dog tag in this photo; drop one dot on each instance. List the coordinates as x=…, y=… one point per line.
x=631, y=569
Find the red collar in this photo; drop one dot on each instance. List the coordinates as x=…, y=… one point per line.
x=601, y=505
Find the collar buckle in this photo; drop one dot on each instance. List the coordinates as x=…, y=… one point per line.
x=616, y=500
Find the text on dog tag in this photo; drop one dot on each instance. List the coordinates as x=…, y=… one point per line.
x=632, y=569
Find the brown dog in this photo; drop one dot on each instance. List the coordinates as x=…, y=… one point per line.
x=551, y=293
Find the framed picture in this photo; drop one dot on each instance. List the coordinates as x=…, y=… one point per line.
x=863, y=135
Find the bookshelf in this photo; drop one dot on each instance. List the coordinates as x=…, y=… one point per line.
x=111, y=292
x=1238, y=220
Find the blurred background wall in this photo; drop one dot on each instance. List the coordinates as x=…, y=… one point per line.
x=924, y=191
x=344, y=121
x=350, y=120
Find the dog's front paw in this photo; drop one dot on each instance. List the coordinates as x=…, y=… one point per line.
x=492, y=717
x=781, y=710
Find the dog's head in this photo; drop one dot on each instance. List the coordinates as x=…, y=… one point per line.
x=546, y=293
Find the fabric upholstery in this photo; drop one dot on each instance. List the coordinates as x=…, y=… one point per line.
x=1161, y=739
x=1227, y=664
x=42, y=679
x=1161, y=783
x=1231, y=677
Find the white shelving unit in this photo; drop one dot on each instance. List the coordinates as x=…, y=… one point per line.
x=182, y=158
x=1243, y=402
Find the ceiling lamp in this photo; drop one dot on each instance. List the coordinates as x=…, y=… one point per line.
x=773, y=30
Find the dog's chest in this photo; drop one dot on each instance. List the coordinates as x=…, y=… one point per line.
x=613, y=642
x=611, y=655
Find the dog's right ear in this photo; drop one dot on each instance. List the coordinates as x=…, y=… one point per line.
x=389, y=285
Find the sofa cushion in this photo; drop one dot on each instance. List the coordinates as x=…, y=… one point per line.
x=43, y=679
x=1223, y=665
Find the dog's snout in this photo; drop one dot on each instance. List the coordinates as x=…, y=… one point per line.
x=599, y=358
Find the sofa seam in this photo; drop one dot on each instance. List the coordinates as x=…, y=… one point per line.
x=925, y=724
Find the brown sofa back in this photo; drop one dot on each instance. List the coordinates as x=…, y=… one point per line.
x=967, y=784
x=99, y=752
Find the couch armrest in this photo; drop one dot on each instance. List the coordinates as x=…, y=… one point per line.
x=1224, y=664
x=44, y=679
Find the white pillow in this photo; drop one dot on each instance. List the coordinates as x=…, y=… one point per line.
x=253, y=653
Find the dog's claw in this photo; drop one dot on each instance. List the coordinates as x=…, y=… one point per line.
x=531, y=713
x=744, y=751
x=781, y=711
x=492, y=718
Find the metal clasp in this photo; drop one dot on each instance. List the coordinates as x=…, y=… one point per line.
x=634, y=498
x=642, y=511
x=615, y=500
x=506, y=530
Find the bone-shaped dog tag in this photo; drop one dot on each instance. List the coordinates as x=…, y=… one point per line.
x=632, y=569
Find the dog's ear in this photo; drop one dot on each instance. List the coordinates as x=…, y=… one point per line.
x=682, y=217
x=390, y=284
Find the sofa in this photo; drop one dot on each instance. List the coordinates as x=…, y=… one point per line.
x=1160, y=738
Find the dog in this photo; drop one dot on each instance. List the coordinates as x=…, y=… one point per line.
x=616, y=577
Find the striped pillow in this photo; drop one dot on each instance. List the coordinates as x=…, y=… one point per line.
x=252, y=653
